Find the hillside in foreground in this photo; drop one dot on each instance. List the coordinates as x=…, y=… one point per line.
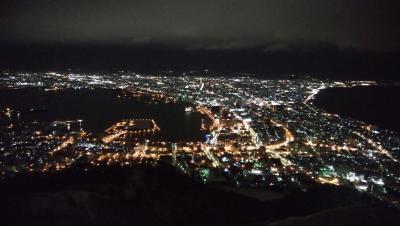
x=159, y=195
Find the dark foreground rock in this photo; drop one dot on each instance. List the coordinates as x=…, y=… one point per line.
x=146, y=195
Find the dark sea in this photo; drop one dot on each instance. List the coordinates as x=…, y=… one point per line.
x=101, y=108
x=377, y=105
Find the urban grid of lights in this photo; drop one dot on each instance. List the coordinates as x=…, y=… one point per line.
x=260, y=133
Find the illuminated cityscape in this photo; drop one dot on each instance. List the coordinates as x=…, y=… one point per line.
x=199, y=112
x=254, y=133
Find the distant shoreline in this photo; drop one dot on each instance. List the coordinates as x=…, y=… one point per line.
x=377, y=105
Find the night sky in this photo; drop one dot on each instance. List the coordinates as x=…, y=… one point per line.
x=240, y=30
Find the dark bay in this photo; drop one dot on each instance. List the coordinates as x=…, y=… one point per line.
x=100, y=108
x=378, y=105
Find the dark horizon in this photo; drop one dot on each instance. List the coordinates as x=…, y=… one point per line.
x=335, y=39
x=323, y=61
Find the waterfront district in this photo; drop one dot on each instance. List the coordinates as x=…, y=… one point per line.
x=256, y=133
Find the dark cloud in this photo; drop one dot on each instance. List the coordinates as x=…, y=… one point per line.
x=204, y=24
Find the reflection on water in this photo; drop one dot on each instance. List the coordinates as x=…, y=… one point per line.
x=100, y=109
